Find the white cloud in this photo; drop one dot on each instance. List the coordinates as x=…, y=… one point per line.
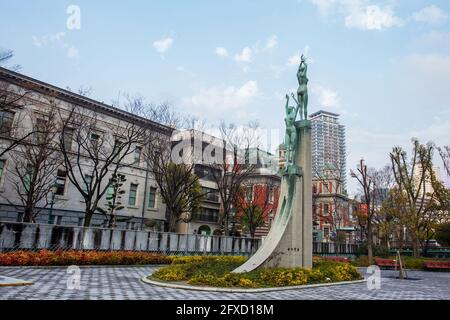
x=294, y=60
x=431, y=14
x=163, y=45
x=371, y=18
x=47, y=39
x=72, y=52
x=359, y=14
x=326, y=97
x=220, y=99
x=272, y=42
x=245, y=56
x=324, y=6
x=221, y=52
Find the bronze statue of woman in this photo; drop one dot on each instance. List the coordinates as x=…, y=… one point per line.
x=302, y=91
x=290, y=140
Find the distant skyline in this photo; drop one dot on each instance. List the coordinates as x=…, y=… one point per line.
x=384, y=66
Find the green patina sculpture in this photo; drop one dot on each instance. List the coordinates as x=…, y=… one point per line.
x=302, y=91
x=291, y=136
x=291, y=133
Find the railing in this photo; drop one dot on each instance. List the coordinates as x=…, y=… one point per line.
x=345, y=249
x=29, y=236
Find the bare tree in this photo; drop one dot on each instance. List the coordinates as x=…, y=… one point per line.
x=13, y=100
x=237, y=165
x=90, y=154
x=178, y=184
x=36, y=160
x=412, y=178
x=445, y=156
x=367, y=183
x=5, y=56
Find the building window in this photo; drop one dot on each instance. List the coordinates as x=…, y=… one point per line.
x=117, y=147
x=110, y=191
x=57, y=220
x=132, y=195
x=326, y=208
x=68, y=138
x=87, y=183
x=80, y=222
x=6, y=121
x=326, y=232
x=271, y=194
x=137, y=155
x=152, y=198
x=61, y=178
x=2, y=167
x=27, y=178
x=19, y=216
x=40, y=130
x=211, y=194
x=95, y=138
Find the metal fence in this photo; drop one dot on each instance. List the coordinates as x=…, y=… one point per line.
x=27, y=236
x=30, y=236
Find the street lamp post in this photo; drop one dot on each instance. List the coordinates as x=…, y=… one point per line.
x=54, y=188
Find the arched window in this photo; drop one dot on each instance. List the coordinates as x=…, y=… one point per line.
x=204, y=230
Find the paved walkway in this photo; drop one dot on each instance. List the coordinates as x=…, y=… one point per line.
x=106, y=283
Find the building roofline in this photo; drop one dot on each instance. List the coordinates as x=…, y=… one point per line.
x=66, y=95
x=323, y=112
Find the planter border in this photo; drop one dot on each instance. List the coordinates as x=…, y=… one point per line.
x=255, y=290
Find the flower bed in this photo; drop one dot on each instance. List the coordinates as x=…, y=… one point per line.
x=73, y=257
x=216, y=272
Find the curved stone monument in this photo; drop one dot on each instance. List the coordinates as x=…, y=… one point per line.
x=289, y=242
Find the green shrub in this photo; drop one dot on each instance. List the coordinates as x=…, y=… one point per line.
x=217, y=272
x=378, y=251
x=361, y=261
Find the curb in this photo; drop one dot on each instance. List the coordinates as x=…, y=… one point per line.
x=236, y=290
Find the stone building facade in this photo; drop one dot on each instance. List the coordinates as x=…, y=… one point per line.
x=143, y=207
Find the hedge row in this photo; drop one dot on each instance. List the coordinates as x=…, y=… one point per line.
x=66, y=258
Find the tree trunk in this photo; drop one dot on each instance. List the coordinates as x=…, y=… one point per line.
x=87, y=218
x=416, y=247
x=28, y=214
x=369, y=243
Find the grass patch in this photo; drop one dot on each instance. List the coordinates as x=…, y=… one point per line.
x=215, y=271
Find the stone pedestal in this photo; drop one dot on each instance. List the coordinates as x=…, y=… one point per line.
x=289, y=242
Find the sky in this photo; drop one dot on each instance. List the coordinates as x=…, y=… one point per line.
x=384, y=66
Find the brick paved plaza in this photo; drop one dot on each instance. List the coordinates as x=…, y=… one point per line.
x=106, y=283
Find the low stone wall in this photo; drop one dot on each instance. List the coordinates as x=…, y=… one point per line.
x=27, y=236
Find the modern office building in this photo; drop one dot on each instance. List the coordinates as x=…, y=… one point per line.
x=328, y=146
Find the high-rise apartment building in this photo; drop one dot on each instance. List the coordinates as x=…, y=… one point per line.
x=328, y=146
